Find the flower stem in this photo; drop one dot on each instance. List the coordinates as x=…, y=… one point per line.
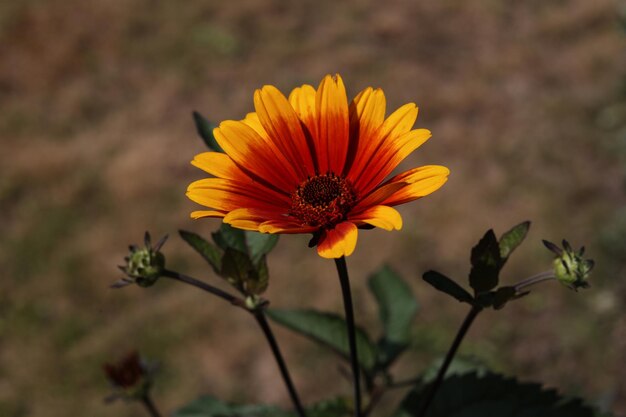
x=342, y=270
x=259, y=315
x=204, y=286
x=535, y=279
x=149, y=404
x=469, y=319
x=260, y=318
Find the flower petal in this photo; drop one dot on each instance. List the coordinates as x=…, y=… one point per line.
x=396, y=125
x=222, y=166
x=384, y=217
x=302, y=99
x=331, y=103
x=420, y=182
x=198, y=214
x=284, y=226
x=367, y=114
x=338, y=242
x=389, y=156
x=248, y=149
x=282, y=125
x=228, y=195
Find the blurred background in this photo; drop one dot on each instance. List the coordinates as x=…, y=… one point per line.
x=527, y=105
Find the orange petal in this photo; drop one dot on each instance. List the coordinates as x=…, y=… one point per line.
x=389, y=156
x=331, y=103
x=367, y=114
x=338, y=242
x=384, y=217
x=247, y=149
x=396, y=125
x=247, y=219
x=228, y=195
x=222, y=166
x=206, y=213
x=421, y=182
x=282, y=124
x=284, y=226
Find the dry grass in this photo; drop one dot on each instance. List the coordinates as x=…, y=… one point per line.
x=528, y=109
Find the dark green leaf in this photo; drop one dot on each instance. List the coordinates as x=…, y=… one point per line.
x=230, y=237
x=502, y=296
x=207, y=406
x=259, y=244
x=209, y=252
x=459, y=366
x=490, y=395
x=447, y=285
x=237, y=269
x=396, y=303
x=329, y=330
x=397, y=308
x=486, y=263
x=253, y=243
x=258, y=281
x=512, y=239
x=205, y=130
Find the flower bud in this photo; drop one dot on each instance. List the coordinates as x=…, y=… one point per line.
x=570, y=268
x=144, y=266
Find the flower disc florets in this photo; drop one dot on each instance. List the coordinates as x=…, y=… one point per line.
x=323, y=200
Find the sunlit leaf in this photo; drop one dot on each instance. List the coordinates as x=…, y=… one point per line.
x=511, y=239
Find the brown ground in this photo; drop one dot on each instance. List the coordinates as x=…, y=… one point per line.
x=527, y=103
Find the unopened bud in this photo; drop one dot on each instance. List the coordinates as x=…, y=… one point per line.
x=570, y=268
x=144, y=266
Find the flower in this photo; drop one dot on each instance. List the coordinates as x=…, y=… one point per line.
x=314, y=163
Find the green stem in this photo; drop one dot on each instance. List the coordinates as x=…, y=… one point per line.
x=259, y=315
x=342, y=270
x=448, y=360
x=535, y=279
x=146, y=400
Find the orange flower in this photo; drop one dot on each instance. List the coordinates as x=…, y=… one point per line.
x=315, y=163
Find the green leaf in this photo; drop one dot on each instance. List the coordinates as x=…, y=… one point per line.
x=254, y=244
x=207, y=406
x=510, y=240
x=205, y=130
x=502, y=296
x=448, y=286
x=329, y=330
x=471, y=395
x=257, y=283
x=259, y=244
x=237, y=269
x=486, y=263
x=229, y=237
x=209, y=252
x=397, y=308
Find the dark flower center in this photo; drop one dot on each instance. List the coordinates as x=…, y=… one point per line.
x=323, y=200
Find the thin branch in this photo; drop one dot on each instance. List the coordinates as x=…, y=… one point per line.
x=342, y=270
